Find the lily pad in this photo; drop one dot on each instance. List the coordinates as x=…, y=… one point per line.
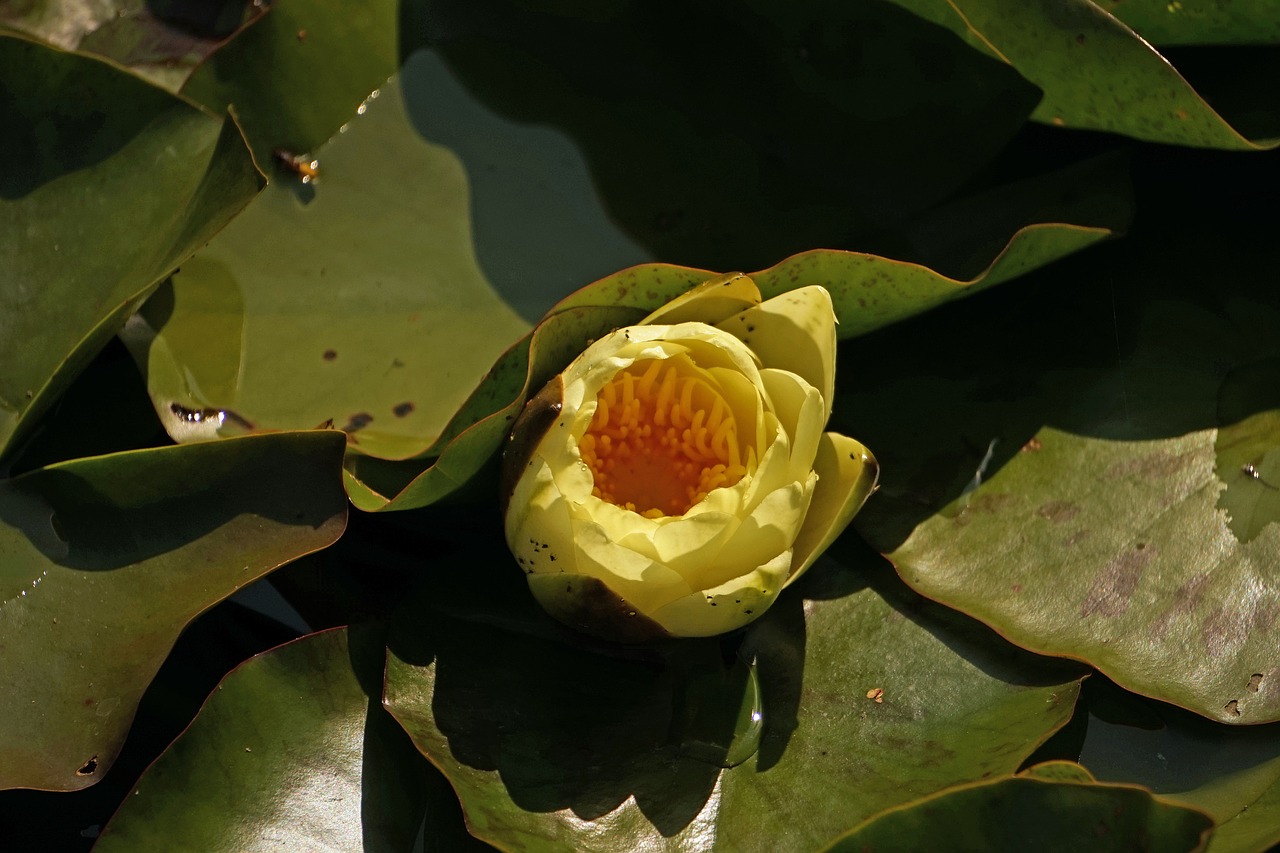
x=1167, y=22
x=1073, y=466
x=857, y=689
x=289, y=751
x=100, y=198
x=107, y=559
x=1096, y=73
x=1231, y=773
x=1005, y=814
x=300, y=71
x=355, y=300
x=161, y=40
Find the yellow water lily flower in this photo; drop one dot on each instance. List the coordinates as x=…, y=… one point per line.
x=676, y=476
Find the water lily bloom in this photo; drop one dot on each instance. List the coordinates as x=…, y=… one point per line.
x=676, y=476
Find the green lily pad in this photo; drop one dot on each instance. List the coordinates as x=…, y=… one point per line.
x=1068, y=463
x=1007, y=814
x=161, y=41
x=1231, y=773
x=1096, y=73
x=355, y=300
x=1167, y=22
x=858, y=688
x=289, y=752
x=100, y=198
x=300, y=71
x=105, y=560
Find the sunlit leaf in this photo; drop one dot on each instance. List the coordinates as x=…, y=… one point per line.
x=287, y=752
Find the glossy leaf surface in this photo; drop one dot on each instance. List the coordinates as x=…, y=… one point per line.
x=105, y=560
x=287, y=751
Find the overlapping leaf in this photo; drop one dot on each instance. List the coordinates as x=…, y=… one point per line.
x=1198, y=22
x=288, y=751
x=162, y=41
x=553, y=744
x=1096, y=73
x=1131, y=524
x=1004, y=814
x=105, y=560
x=100, y=198
x=1231, y=773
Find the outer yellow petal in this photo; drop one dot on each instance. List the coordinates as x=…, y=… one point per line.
x=538, y=527
x=847, y=474
x=709, y=302
x=642, y=581
x=795, y=331
x=728, y=606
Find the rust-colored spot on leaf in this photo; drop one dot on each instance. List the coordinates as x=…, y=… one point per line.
x=876, y=694
x=1114, y=586
x=1058, y=511
x=1032, y=445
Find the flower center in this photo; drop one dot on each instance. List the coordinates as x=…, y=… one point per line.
x=662, y=437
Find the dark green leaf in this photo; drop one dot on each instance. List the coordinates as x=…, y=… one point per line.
x=162, y=40
x=100, y=197
x=107, y=559
x=1007, y=814
x=1165, y=22
x=1096, y=73
x=288, y=752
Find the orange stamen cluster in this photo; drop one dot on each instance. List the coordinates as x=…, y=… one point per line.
x=661, y=439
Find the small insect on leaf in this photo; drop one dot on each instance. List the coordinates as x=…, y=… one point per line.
x=302, y=165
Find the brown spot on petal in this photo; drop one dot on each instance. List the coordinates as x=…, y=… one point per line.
x=402, y=409
x=539, y=414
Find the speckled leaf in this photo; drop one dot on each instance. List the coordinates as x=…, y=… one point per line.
x=100, y=198
x=162, y=41
x=1166, y=22
x=1088, y=468
x=1009, y=814
x=1231, y=773
x=1096, y=73
x=354, y=300
x=288, y=753
x=859, y=689
x=105, y=560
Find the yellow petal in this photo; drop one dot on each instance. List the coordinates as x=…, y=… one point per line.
x=690, y=544
x=709, y=302
x=644, y=582
x=847, y=474
x=795, y=331
x=728, y=606
x=538, y=526
x=798, y=406
x=767, y=532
